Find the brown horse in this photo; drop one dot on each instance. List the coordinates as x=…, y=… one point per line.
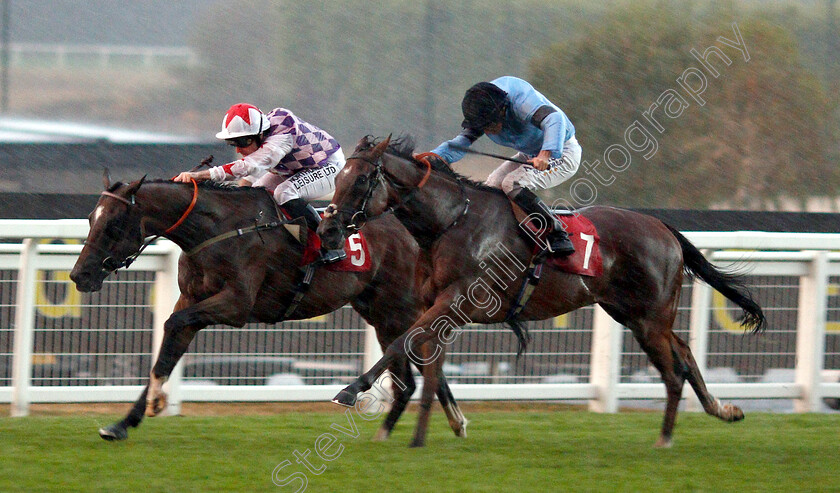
x=461, y=223
x=232, y=279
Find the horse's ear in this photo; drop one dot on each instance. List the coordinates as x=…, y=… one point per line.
x=132, y=189
x=364, y=143
x=382, y=146
x=106, y=178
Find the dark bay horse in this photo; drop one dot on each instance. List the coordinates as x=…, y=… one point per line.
x=461, y=224
x=251, y=278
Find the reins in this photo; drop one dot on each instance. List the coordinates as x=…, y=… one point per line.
x=187, y=212
x=497, y=156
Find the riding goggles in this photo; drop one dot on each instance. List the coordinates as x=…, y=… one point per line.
x=240, y=141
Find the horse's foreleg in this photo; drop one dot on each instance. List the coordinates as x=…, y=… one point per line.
x=402, y=371
x=179, y=331
x=176, y=340
x=119, y=430
x=406, y=345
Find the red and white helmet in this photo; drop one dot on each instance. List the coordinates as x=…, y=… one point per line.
x=243, y=120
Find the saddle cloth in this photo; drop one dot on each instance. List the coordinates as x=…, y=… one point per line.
x=586, y=260
x=355, y=245
x=358, y=255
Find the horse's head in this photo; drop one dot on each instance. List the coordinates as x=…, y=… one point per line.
x=114, y=239
x=361, y=192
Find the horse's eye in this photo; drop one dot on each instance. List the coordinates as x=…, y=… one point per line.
x=362, y=180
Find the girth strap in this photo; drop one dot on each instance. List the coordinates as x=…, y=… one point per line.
x=529, y=284
x=301, y=289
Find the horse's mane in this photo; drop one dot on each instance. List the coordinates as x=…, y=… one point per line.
x=403, y=147
x=212, y=185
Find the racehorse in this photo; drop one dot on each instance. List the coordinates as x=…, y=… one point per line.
x=461, y=223
x=237, y=267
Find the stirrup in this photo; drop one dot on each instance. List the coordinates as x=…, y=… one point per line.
x=332, y=256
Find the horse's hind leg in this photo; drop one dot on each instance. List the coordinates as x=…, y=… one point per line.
x=658, y=346
x=457, y=421
x=658, y=340
x=431, y=372
x=726, y=412
x=672, y=357
x=401, y=370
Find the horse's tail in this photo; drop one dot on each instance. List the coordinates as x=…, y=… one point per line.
x=730, y=284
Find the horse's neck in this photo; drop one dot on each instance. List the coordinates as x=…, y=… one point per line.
x=432, y=208
x=442, y=202
x=165, y=204
x=162, y=205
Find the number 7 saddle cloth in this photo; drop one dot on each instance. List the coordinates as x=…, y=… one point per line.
x=586, y=260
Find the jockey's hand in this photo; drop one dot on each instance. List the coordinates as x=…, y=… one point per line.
x=540, y=161
x=187, y=177
x=426, y=155
x=184, y=177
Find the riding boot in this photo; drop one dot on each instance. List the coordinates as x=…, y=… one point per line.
x=299, y=208
x=558, y=240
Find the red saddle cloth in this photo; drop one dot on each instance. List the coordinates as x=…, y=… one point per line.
x=358, y=256
x=586, y=260
x=355, y=245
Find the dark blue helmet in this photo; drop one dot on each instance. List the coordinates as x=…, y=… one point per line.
x=483, y=105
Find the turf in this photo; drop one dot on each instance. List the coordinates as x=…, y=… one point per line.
x=505, y=451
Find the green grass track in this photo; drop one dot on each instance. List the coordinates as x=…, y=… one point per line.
x=505, y=451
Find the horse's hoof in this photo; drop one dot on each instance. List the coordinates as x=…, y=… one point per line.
x=662, y=443
x=381, y=435
x=731, y=413
x=417, y=444
x=345, y=398
x=113, y=433
x=462, y=432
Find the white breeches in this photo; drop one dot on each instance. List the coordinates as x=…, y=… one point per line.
x=511, y=176
x=307, y=184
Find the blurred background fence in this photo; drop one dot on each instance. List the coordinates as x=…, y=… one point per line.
x=58, y=345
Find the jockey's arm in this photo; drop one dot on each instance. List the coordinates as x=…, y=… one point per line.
x=465, y=139
x=263, y=159
x=554, y=132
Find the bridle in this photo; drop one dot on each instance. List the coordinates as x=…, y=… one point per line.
x=359, y=217
x=111, y=263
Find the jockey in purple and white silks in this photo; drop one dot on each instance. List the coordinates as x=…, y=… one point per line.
x=295, y=160
x=514, y=114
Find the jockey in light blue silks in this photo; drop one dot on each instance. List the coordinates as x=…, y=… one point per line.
x=514, y=114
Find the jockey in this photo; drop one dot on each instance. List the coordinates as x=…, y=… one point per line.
x=295, y=160
x=514, y=114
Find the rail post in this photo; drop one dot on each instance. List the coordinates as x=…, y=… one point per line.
x=810, y=333
x=166, y=295
x=24, y=329
x=605, y=362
